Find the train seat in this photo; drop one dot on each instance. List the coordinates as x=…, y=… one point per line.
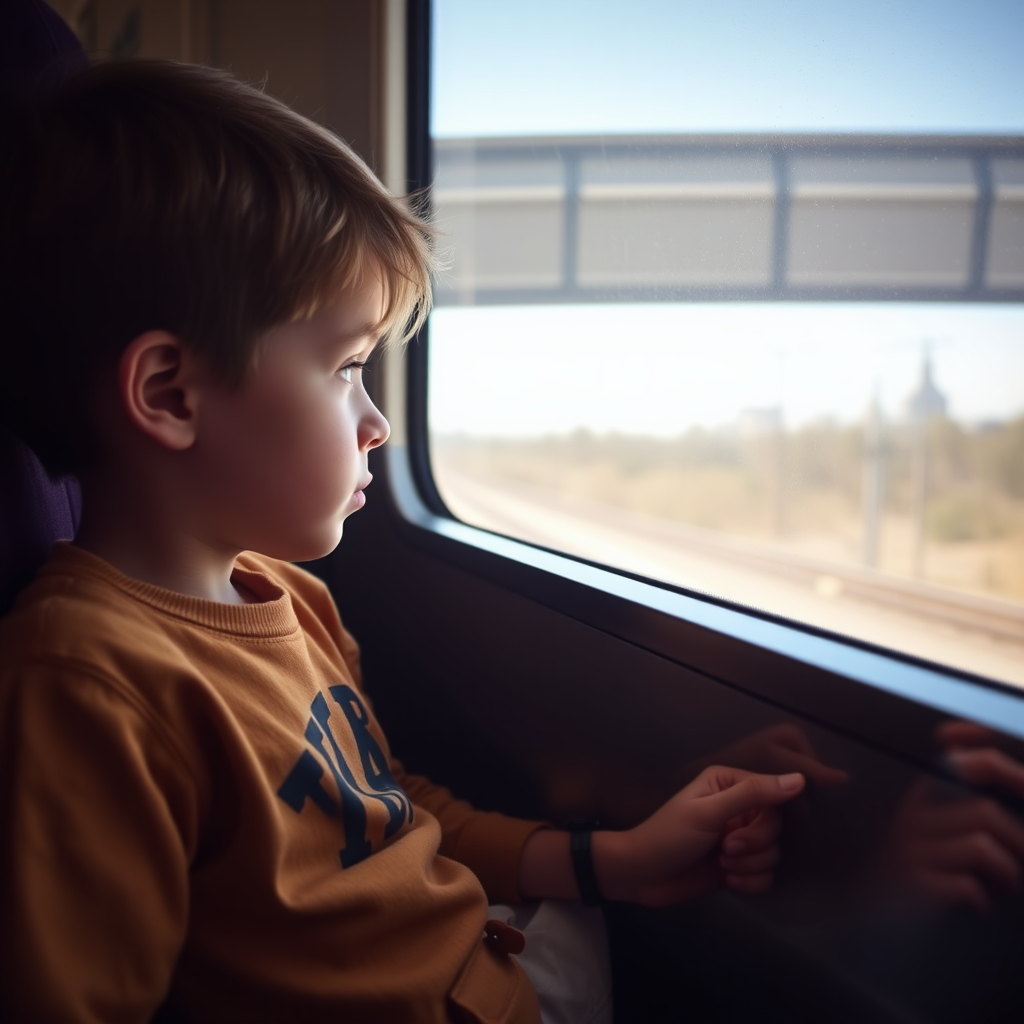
x=35, y=511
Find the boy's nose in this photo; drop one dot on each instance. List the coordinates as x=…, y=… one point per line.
x=375, y=429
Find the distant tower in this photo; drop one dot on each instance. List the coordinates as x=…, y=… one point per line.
x=924, y=405
x=927, y=402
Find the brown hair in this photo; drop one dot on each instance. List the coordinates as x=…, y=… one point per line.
x=149, y=195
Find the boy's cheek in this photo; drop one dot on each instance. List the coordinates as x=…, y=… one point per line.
x=281, y=464
x=311, y=476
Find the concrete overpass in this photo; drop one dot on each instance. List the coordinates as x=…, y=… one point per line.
x=576, y=219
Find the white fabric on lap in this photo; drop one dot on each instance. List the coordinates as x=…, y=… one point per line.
x=566, y=959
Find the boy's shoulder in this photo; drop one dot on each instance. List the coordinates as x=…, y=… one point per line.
x=71, y=602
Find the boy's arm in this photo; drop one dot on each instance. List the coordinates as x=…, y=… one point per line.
x=490, y=845
x=723, y=827
x=98, y=827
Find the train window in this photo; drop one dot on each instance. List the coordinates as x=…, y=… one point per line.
x=735, y=302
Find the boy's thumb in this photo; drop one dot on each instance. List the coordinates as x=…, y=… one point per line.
x=751, y=791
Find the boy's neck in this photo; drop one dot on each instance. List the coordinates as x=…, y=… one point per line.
x=140, y=539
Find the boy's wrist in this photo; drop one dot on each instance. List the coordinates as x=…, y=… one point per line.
x=611, y=853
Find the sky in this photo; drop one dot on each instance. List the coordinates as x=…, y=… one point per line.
x=651, y=66
x=659, y=368
x=608, y=66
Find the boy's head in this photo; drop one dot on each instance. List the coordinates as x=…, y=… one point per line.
x=150, y=197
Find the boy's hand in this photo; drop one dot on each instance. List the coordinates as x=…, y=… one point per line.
x=723, y=826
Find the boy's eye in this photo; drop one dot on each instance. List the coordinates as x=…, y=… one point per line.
x=348, y=373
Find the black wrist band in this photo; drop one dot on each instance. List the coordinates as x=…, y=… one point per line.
x=583, y=868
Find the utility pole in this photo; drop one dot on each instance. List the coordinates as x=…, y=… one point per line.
x=777, y=458
x=920, y=484
x=874, y=480
x=926, y=404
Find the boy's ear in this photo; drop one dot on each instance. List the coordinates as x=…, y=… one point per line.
x=158, y=386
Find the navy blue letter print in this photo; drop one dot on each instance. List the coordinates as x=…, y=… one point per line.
x=304, y=780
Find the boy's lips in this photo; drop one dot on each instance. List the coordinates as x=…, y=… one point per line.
x=358, y=498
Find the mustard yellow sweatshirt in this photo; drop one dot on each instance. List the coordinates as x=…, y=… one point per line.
x=199, y=812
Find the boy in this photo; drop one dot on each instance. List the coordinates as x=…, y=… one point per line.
x=200, y=816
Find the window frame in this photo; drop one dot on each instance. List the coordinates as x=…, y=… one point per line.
x=890, y=700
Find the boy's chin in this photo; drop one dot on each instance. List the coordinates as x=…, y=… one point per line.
x=302, y=549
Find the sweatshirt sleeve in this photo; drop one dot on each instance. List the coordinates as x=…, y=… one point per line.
x=100, y=826
x=489, y=844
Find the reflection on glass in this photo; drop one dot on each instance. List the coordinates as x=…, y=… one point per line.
x=948, y=847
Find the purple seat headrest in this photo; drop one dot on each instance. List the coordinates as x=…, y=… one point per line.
x=35, y=511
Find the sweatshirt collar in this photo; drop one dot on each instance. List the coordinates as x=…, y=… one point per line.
x=271, y=615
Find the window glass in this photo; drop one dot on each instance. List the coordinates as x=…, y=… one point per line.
x=734, y=299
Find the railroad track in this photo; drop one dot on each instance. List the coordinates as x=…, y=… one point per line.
x=987, y=615
x=1003, y=619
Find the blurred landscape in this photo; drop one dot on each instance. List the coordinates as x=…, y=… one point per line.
x=808, y=490
x=773, y=461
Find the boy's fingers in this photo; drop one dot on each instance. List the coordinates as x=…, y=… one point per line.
x=760, y=833
x=731, y=792
x=742, y=821
x=751, y=864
